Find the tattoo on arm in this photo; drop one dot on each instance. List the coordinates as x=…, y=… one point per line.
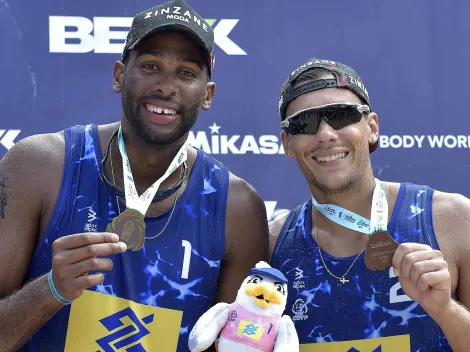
x=3, y=197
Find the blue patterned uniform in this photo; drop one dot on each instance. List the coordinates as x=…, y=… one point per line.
x=121, y=314
x=370, y=312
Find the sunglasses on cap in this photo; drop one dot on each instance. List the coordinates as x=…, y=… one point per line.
x=337, y=115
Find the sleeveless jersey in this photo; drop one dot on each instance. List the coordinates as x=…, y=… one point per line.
x=152, y=297
x=370, y=312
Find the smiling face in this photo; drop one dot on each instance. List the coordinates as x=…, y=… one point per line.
x=332, y=160
x=164, y=85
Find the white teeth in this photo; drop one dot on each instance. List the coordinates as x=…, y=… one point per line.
x=322, y=159
x=158, y=110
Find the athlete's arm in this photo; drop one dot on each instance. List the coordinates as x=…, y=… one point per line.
x=274, y=230
x=452, y=224
x=246, y=238
x=24, y=172
x=30, y=175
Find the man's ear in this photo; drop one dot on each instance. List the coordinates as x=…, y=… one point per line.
x=118, y=76
x=373, y=127
x=210, y=91
x=286, y=144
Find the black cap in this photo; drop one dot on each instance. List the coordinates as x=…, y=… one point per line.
x=179, y=15
x=345, y=77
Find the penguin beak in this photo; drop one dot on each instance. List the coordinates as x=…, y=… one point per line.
x=264, y=294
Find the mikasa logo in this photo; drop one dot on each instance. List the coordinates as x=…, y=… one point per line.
x=216, y=143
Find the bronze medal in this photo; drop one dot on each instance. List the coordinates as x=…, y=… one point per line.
x=380, y=250
x=130, y=227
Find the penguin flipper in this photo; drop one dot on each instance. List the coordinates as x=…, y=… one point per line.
x=286, y=339
x=208, y=327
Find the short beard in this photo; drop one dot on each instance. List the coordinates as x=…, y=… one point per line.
x=351, y=183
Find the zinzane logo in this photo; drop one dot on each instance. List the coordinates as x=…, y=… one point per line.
x=358, y=83
x=174, y=12
x=98, y=35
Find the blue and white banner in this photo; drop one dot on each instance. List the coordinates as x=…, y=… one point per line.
x=57, y=62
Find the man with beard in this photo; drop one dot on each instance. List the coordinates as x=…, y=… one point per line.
x=121, y=236
x=372, y=265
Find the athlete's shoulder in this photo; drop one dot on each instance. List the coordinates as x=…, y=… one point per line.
x=449, y=199
x=246, y=213
x=41, y=150
x=394, y=188
x=391, y=185
x=33, y=167
x=242, y=192
x=451, y=209
x=451, y=225
x=275, y=226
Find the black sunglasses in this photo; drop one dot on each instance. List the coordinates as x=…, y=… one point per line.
x=337, y=115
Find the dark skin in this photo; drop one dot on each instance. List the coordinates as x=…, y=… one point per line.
x=427, y=276
x=32, y=170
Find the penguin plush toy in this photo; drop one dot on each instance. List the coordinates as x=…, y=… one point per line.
x=254, y=322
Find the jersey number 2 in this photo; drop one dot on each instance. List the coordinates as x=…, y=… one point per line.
x=394, y=296
x=186, y=258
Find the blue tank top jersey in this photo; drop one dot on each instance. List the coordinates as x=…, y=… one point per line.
x=152, y=298
x=370, y=312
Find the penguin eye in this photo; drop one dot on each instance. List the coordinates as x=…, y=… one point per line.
x=280, y=287
x=255, y=279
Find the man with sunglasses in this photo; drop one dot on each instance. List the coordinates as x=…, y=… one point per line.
x=120, y=236
x=372, y=265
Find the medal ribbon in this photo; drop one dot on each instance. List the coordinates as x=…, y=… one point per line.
x=353, y=221
x=142, y=203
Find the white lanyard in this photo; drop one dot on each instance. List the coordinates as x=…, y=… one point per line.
x=353, y=221
x=142, y=203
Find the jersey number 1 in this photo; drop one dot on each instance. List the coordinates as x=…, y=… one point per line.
x=186, y=258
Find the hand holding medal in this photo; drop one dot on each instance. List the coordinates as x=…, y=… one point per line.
x=422, y=271
x=130, y=225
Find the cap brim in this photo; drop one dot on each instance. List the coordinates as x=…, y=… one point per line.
x=271, y=272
